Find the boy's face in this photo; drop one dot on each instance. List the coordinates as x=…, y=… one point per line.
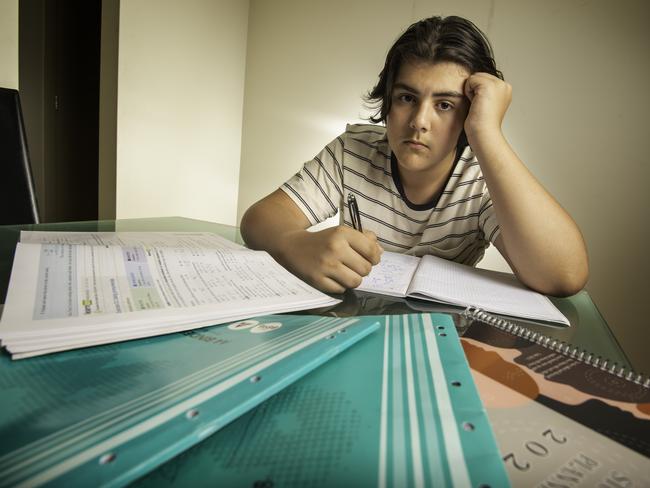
x=428, y=110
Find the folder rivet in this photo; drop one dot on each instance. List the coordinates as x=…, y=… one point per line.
x=468, y=426
x=107, y=458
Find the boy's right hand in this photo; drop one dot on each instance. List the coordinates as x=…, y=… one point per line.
x=333, y=259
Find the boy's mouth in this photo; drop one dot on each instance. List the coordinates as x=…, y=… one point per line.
x=415, y=144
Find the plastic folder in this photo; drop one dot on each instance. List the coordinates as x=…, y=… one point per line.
x=106, y=415
x=399, y=409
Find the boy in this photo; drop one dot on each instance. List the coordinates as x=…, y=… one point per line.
x=439, y=178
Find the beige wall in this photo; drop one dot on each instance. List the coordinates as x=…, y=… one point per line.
x=109, y=63
x=579, y=111
x=580, y=122
x=180, y=96
x=303, y=82
x=9, y=44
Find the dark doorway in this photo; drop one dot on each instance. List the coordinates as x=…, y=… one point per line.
x=59, y=58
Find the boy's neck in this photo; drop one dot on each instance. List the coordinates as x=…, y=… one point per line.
x=422, y=187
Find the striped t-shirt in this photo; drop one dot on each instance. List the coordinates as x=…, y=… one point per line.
x=458, y=227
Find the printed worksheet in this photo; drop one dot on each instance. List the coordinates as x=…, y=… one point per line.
x=79, y=289
x=156, y=239
x=94, y=280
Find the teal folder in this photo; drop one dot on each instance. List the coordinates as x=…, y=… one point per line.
x=104, y=416
x=399, y=409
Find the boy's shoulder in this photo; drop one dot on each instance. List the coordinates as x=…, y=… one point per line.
x=367, y=143
x=372, y=137
x=365, y=129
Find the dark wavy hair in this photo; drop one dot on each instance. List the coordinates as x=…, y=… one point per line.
x=436, y=39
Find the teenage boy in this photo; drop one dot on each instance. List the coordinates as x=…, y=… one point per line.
x=439, y=178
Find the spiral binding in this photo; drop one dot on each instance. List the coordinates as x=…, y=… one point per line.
x=556, y=345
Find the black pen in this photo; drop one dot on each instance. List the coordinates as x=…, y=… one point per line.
x=354, y=212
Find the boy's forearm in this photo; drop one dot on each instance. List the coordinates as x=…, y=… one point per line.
x=541, y=240
x=267, y=223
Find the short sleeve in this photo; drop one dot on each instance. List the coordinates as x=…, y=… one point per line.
x=317, y=187
x=487, y=218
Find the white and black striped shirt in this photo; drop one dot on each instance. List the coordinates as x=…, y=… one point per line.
x=458, y=227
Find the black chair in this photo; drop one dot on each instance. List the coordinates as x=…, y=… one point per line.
x=17, y=197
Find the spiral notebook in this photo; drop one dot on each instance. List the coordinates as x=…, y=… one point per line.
x=399, y=409
x=560, y=414
x=443, y=281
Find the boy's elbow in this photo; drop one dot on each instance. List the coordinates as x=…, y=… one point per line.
x=247, y=227
x=557, y=281
x=568, y=288
x=571, y=281
x=245, y=221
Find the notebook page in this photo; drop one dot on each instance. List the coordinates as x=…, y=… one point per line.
x=492, y=291
x=392, y=275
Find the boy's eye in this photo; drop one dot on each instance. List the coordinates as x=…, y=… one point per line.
x=406, y=97
x=444, y=106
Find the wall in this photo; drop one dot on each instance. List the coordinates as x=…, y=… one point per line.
x=577, y=120
x=9, y=44
x=179, y=114
x=31, y=21
x=107, y=144
x=578, y=69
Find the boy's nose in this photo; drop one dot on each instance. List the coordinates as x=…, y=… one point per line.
x=420, y=119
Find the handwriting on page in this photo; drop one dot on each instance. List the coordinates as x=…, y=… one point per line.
x=392, y=275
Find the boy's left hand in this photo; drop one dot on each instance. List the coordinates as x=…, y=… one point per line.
x=489, y=99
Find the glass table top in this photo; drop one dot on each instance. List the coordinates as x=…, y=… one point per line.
x=588, y=330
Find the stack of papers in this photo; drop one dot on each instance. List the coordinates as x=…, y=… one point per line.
x=70, y=290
